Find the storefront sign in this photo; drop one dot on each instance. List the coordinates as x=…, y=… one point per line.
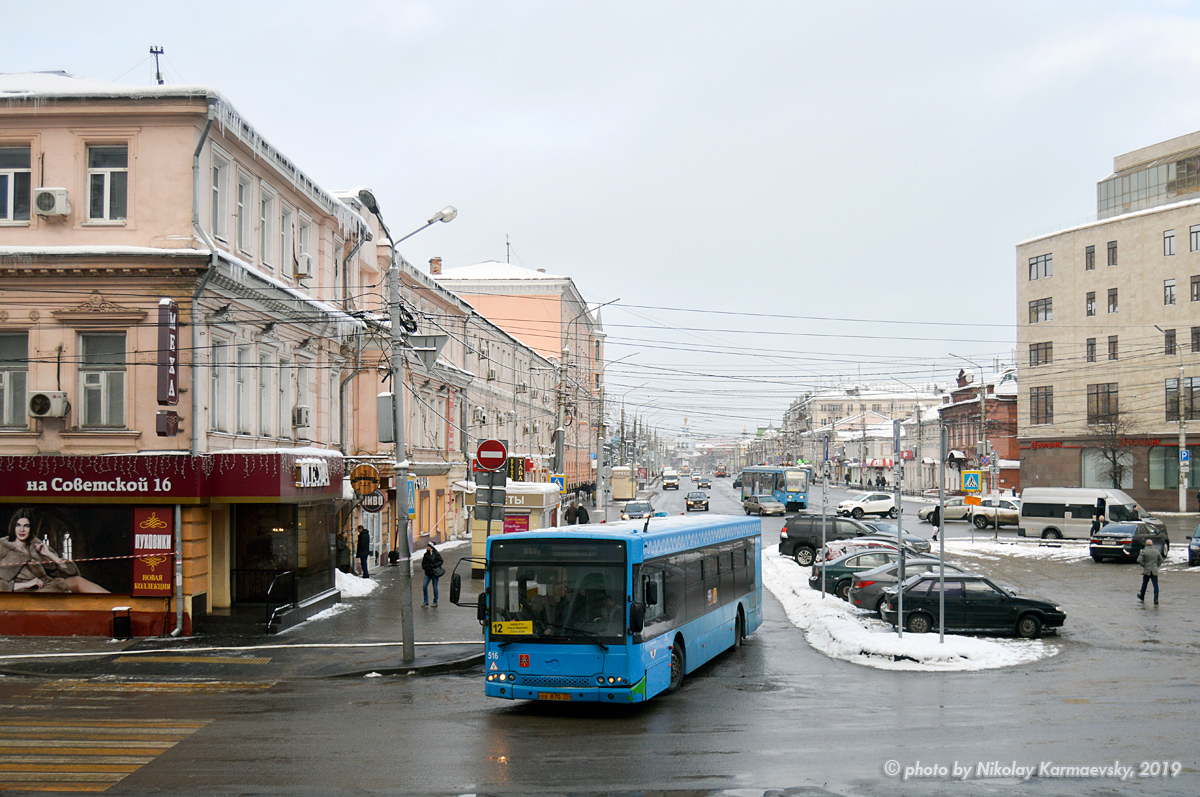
x=76, y=549
x=515, y=523
x=373, y=502
x=168, y=353
x=312, y=473
x=153, y=543
x=364, y=479
x=166, y=423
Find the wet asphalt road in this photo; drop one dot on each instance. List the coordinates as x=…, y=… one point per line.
x=774, y=715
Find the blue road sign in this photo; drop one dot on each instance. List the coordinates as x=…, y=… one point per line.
x=972, y=481
x=560, y=480
x=1185, y=455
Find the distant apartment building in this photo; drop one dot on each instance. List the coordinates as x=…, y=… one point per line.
x=1108, y=331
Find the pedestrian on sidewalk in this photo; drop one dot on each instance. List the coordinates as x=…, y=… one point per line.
x=431, y=564
x=343, y=552
x=571, y=514
x=1150, y=558
x=363, y=551
x=581, y=515
x=935, y=520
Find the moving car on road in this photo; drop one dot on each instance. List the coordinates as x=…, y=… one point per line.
x=637, y=509
x=1124, y=541
x=867, y=589
x=1055, y=513
x=762, y=505
x=995, y=511
x=704, y=483
x=973, y=603
x=696, y=500
x=956, y=509
x=880, y=504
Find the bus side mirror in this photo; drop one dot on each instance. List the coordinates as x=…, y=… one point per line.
x=455, y=588
x=651, y=593
x=481, y=609
x=637, y=617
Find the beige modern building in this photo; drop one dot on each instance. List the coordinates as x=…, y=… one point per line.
x=1108, y=313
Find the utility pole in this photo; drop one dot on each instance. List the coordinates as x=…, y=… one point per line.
x=399, y=415
x=1183, y=464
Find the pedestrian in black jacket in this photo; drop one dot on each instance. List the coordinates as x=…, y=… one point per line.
x=363, y=549
x=581, y=515
x=431, y=564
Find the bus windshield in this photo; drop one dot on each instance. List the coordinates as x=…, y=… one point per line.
x=533, y=594
x=796, y=481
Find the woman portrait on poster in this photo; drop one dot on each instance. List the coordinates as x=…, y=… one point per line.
x=29, y=564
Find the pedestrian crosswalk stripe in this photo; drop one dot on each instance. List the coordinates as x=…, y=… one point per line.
x=81, y=755
x=192, y=660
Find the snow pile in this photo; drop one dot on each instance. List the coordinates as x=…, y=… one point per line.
x=351, y=586
x=989, y=549
x=332, y=611
x=836, y=629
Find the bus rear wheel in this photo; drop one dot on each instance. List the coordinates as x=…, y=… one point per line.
x=676, y=666
x=739, y=631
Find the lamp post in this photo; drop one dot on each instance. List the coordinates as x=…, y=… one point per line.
x=399, y=413
x=982, y=418
x=1183, y=477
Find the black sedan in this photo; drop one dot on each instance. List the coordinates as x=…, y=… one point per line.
x=696, y=500
x=1124, y=541
x=973, y=603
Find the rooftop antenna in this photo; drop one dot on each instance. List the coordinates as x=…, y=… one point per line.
x=507, y=250
x=156, y=52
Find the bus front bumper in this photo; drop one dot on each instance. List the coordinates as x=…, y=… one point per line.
x=586, y=694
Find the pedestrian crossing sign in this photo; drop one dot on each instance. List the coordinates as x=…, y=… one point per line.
x=561, y=481
x=972, y=481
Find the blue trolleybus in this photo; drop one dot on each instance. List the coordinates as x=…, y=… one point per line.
x=617, y=613
x=788, y=483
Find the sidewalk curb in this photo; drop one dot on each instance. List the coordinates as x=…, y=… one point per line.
x=439, y=668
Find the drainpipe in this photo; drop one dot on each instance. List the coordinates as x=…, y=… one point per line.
x=357, y=353
x=212, y=268
x=178, y=570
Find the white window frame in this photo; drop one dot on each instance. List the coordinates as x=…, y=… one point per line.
x=303, y=369
x=304, y=242
x=219, y=196
x=243, y=381
x=218, y=399
x=266, y=368
x=284, y=383
x=107, y=173
x=266, y=224
x=106, y=380
x=287, y=239
x=244, y=200
x=10, y=187
x=1168, y=243
x=14, y=382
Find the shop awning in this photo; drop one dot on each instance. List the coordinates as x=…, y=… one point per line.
x=956, y=454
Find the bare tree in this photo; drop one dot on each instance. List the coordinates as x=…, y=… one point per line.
x=1110, y=435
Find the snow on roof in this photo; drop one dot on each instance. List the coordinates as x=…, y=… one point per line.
x=20, y=87
x=493, y=270
x=99, y=251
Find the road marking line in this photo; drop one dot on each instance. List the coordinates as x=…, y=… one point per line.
x=192, y=660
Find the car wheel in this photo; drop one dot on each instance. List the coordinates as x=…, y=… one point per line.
x=842, y=590
x=919, y=624
x=980, y=522
x=892, y=513
x=879, y=604
x=856, y=513
x=804, y=556
x=1029, y=627
x=1051, y=534
x=676, y=666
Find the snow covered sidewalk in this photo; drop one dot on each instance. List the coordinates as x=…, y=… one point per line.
x=838, y=630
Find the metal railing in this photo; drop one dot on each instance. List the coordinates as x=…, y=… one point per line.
x=288, y=579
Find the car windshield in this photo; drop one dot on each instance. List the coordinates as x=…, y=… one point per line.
x=766, y=499
x=638, y=507
x=697, y=495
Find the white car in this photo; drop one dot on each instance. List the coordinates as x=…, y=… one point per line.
x=956, y=509
x=880, y=504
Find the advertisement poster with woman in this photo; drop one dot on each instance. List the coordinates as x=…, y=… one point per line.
x=67, y=549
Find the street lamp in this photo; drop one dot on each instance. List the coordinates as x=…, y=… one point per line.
x=1182, y=428
x=399, y=412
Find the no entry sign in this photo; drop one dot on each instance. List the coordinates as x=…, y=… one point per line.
x=491, y=455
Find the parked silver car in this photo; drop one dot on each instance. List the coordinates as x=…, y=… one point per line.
x=762, y=505
x=866, y=589
x=956, y=509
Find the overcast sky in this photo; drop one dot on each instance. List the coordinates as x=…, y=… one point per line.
x=851, y=171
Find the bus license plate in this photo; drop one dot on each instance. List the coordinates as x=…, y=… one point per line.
x=552, y=696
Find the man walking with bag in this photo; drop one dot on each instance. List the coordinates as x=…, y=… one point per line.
x=431, y=564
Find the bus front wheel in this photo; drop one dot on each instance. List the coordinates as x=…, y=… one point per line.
x=676, y=666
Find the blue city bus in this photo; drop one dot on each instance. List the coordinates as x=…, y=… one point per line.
x=616, y=613
x=788, y=483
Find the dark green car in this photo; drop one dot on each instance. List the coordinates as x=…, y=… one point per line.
x=840, y=572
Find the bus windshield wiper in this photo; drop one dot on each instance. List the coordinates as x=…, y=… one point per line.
x=588, y=635
x=524, y=638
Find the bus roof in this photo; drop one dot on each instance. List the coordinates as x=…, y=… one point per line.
x=665, y=535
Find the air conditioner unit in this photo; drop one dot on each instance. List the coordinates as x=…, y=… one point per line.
x=300, y=416
x=533, y=393
x=303, y=266
x=522, y=387
x=48, y=404
x=51, y=202
x=491, y=375
x=483, y=352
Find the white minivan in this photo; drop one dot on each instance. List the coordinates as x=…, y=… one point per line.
x=1055, y=513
